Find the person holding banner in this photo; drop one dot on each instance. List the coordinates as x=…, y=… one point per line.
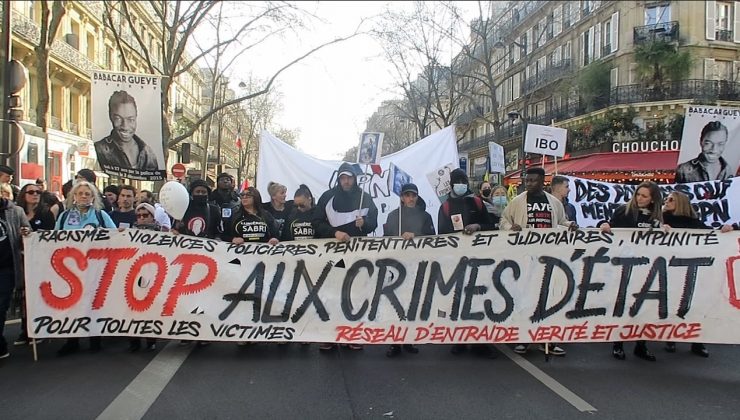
x=709, y=165
x=249, y=222
x=643, y=211
x=464, y=211
x=84, y=210
x=278, y=207
x=40, y=218
x=409, y=220
x=678, y=213
x=13, y=225
x=298, y=226
x=343, y=212
x=201, y=219
x=535, y=208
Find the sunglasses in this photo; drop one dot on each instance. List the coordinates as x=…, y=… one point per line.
x=670, y=199
x=33, y=192
x=143, y=215
x=242, y=195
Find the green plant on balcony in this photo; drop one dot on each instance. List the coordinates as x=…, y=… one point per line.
x=593, y=85
x=596, y=131
x=659, y=62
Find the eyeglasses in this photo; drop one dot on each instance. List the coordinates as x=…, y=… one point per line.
x=143, y=215
x=33, y=192
x=669, y=199
x=243, y=195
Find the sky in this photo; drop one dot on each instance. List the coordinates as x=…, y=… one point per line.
x=329, y=96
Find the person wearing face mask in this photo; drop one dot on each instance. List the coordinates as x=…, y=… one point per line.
x=499, y=201
x=298, y=226
x=464, y=212
x=201, y=219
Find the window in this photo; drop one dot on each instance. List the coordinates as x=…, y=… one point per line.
x=658, y=14
x=32, y=153
x=607, y=36
x=723, y=20
x=586, y=47
x=566, y=15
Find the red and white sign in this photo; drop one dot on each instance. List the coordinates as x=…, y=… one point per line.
x=178, y=170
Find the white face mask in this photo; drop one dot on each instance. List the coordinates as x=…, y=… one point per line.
x=460, y=189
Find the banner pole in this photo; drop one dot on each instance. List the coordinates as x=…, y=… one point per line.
x=362, y=192
x=556, y=164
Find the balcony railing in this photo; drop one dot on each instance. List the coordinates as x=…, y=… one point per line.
x=724, y=35
x=469, y=116
x=88, y=133
x=666, y=31
x=548, y=75
x=695, y=90
x=606, y=50
x=74, y=128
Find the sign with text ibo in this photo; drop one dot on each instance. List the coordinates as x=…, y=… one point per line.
x=545, y=140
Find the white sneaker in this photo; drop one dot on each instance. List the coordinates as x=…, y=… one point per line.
x=554, y=350
x=521, y=348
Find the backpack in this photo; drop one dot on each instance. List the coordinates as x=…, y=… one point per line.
x=98, y=214
x=446, y=205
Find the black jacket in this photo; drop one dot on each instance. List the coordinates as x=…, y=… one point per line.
x=622, y=219
x=413, y=219
x=471, y=208
x=336, y=209
x=250, y=227
x=200, y=220
x=683, y=222
x=299, y=225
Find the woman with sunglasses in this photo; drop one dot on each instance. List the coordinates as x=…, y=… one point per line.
x=249, y=222
x=678, y=213
x=298, y=225
x=643, y=211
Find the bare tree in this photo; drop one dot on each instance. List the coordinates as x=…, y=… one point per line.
x=415, y=45
x=178, y=22
x=51, y=20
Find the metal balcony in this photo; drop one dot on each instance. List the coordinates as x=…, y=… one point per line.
x=550, y=74
x=666, y=32
x=469, y=116
x=724, y=35
x=693, y=89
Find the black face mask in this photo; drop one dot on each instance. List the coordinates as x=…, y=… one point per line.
x=200, y=199
x=485, y=193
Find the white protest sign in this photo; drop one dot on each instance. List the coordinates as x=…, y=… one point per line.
x=497, y=158
x=439, y=179
x=545, y=140
x=533, y=286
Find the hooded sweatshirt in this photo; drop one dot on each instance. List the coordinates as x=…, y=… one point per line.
x=337, y=209
x=413, y=219
x=470, y=207
x=201, y=219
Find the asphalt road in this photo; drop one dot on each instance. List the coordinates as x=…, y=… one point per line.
x=224, y=381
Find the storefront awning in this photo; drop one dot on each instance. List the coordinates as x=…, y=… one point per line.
x=636, y=162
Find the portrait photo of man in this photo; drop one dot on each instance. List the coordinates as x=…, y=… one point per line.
x=709, y=165
x=122, y=147
x=368, y=151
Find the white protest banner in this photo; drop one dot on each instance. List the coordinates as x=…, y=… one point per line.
x=492, y=287
x=127, y=125
x=545, y=140
x=716, y=202
x=370, y=148
x=496, y=151
x=710, y=144
x=282, y=163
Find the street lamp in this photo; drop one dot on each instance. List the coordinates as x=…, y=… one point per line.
x=513, y=116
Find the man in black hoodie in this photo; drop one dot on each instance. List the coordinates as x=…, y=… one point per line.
x=342, y=212
x=201, y=218
x=345, y=210
x=224, y=196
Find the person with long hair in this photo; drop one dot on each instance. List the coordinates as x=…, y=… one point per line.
x=84, y=209
x=40, y=218
x=249, y=222
x=678, y=213
x=643, y=211
x=298, y=225
x=277, y=206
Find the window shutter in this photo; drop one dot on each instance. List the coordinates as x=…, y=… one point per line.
x=558, y=54
x=530, y=42
x=591, y=44
x=711, y=29
x=615, y=31
x=583, y=49
x=735, y=71
x=515, y=85
x=597, y=40
x=516, y=53
x=709, y=72
x=632, y=73
x=736, y=26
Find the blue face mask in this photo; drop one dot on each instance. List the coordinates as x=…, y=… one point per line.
x=460, y=189
x=499, y=200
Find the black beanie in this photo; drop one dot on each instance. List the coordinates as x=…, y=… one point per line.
x=458, y=176
x=199, y=183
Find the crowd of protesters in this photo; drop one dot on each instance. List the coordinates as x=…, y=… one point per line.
x=342, y=212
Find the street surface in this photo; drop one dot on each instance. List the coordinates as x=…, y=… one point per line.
x=225, y=381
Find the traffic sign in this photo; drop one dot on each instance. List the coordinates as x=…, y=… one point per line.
x=178, y=170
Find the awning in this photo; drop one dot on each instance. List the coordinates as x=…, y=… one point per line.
x=638, y=163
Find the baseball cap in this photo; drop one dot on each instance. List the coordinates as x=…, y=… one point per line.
x=409, y=188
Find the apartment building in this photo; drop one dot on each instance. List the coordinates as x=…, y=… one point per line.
x=543, y=47
x=84, y=43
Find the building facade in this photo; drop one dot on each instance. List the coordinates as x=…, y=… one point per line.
x=546, y=49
